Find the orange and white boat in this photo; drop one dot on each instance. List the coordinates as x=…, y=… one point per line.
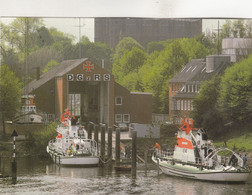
x=28, y=112
x=72, y=146
x=195, y=157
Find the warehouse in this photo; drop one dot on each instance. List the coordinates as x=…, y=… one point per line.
x=90, y=93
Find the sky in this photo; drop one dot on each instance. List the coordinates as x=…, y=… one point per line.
x=71, y=25
x=64, y=14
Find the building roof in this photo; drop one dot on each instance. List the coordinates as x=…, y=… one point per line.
x=189, y=71
x=61, y=69
x=203, y=75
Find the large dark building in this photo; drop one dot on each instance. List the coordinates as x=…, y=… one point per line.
x=90, y=93
x=112, y=30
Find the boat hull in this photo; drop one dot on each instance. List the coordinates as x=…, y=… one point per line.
x=29, y=118
x=75, y=160
x=193, y=172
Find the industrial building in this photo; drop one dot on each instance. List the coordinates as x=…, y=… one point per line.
x=144, y=30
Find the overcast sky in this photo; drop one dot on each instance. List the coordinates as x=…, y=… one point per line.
x=69, y=11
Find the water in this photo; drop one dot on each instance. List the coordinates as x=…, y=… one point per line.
x=36, y=176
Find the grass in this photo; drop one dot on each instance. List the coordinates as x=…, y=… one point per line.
x=240, y=143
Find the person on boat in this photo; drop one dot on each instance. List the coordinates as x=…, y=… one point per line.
x=244, y=160
x=233, y=161
x=157, y=148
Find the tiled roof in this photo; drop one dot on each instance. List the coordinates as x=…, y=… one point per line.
x=59, y=70
x=189, y=71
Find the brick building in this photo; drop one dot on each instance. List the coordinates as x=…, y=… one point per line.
x=90, y=93
x=184, y=86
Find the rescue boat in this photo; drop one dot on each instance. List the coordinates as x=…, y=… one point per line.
x=195, y=157
x=72, y=146
x=28, y=112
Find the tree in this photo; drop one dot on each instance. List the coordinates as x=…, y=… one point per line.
x=127, y=43
x=205, y=106
x=11, y=89
x=50, y=65
x=235, y=95
x=161, y=66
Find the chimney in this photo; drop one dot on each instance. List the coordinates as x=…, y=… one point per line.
x=213, y=61
x=38, y=73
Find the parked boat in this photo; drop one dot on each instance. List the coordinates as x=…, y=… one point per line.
x=195, y=157
x=28, y=112
x=72, y=146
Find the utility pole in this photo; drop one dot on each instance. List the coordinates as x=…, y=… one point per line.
x=79, y=26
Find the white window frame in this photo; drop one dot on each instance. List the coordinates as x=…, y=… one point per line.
x=182, y=104
x=188, y=105
x=191, y=105
x=118, y=97
x=178, y=104
x=118, y=115
x=126, y=121
x=185, y=104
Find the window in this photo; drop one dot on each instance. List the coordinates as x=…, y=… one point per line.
x=173, y=105
x=118, y=118
x=182, y=106
x=191, y=105
x=126, y=118
x=118, y=100
x=185, y=104
x=74, y=104
x=188, y=104
x=178, y=104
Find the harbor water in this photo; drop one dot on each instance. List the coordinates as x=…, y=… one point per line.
x=38, y=176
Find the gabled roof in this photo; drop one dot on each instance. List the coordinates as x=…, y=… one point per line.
x=203, y=75
x=61, y=69
x=189, y=71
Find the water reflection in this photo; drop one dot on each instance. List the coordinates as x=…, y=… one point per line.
x=38, y=176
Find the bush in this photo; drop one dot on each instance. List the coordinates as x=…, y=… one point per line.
x=41, y=138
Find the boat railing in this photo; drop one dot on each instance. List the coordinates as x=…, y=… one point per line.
x=164, y=153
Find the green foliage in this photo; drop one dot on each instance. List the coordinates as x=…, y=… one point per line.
x=205, y=112
x=50, y=65
x=234, y=27
x=241, y=143
x=41, y=138
x=127, y=43
x=235, y=92
x=11, y=90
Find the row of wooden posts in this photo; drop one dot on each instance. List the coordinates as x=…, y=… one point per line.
x=96, y=128
x=103, y=128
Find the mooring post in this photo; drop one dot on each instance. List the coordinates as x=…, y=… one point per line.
x=134, y=150
x=145, y=161
x=96, y=135
x=89, y=128
x=110, y=143
x=102, y=142
x=117, y=146
x=14, y=163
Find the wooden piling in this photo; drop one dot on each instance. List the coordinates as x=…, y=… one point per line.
x=145, y=160
x=96, y=135
x=102, y=142
x=134, y=150
x=109, y=143
x=117, y=147
x=90, y=128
